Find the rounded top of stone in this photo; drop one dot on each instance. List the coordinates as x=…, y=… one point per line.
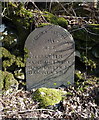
x=51, y=31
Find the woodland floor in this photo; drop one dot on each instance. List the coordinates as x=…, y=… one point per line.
x=79, y=103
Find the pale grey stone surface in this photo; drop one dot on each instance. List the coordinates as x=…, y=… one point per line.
x=51, y=57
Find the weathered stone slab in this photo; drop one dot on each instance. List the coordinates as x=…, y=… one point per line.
x=51, y=57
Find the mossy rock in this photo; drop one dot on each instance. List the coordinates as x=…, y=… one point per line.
x=48, y=96
x=7, y=81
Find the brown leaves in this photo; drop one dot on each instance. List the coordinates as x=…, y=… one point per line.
x=76, y=105
x=17, y=101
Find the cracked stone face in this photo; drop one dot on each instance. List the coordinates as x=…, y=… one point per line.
x=51, y=57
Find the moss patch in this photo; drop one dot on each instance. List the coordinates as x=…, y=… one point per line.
x=62, y=22
x=1, y=81
x=7, y=80
x=4, y=53
x=55, y=20
x=10, y=59
x=43, y=24
x=48, y=96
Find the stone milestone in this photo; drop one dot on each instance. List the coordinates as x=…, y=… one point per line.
x=51, y=58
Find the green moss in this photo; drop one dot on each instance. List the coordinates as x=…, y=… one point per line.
x=23, y=20
x=4, y=53
x=19, y=62
x=9, y=59
x=88, y=62
x=97, y=25
x=62, y=22
x=43, y=24
x=20, y=10
x=93, y=28
x=12, y=4
x=22, y=17
x=79, y=75
x=50, y=17
x=1, y=80
x=6, y=63
x=10, y=40
x=26, y=55
x=55, y=20
x=47, y=96
x=7, y=80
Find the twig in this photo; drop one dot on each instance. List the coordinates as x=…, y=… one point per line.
x=25, y=111
x=3, y=102
x=2, y=14
x=89, y=31
x=50, y=6
x=39, y=11
x=85, y=30
x=63, y=7
x=76, y=30
x=74, y=11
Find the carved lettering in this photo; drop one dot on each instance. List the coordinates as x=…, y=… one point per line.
x=51, y=57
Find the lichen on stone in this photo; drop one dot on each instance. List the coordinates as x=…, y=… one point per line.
x=48, y=96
